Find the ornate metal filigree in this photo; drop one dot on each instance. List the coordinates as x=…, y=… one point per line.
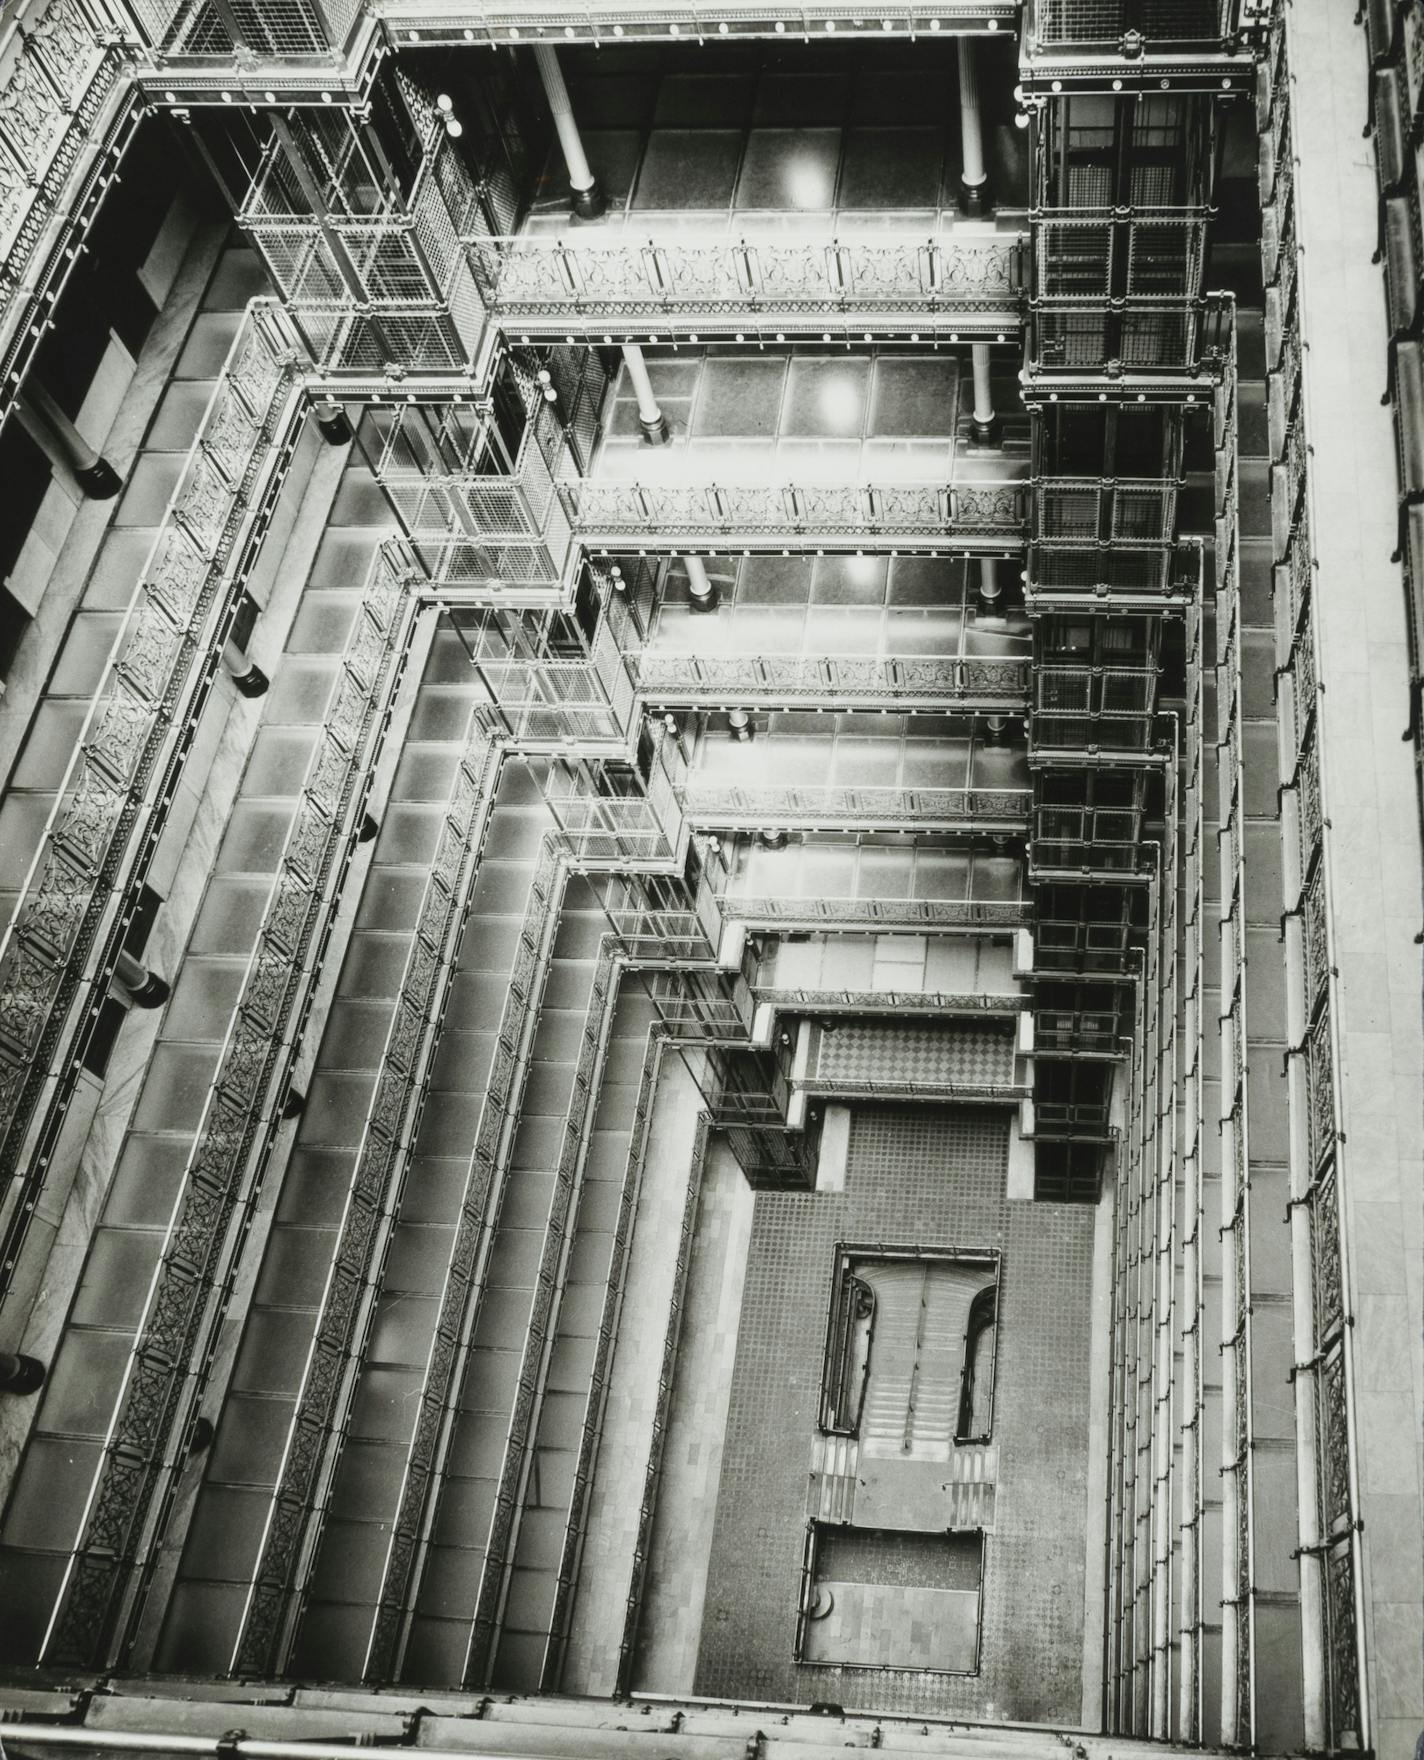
x=223, y=1176
x=374, y=1189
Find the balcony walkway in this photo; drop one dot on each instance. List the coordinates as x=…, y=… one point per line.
x=864, y=629
x=767, y=451
x=815, y=772
x=759, y=198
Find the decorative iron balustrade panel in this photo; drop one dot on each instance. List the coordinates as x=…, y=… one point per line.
x=718, y=804
x=183, y=32
x=296, y=1518
x=67, y=110
x=176, y=1334
x=529, y=278
x=130, y=752
x=1100, y=24
x=890, y=913
x=461, y=1287
x=595, y=21
x=662, y=1408
x=1191, y=1599
x=548, y=1288
x=889, y=1002
x=660, y=512
x=690, y=678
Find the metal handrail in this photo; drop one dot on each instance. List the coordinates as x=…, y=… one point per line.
x=66, y=929
x=661, y=264
x=187, y=1299
x=294, y=1526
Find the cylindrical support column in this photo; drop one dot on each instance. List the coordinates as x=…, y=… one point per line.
x=20, y=1374
x=997, y=729
x=248, y=680
x=589, y=201
x=64, y=446
x=146, y=989
x=974, y=178
x=991, y=594
x=985, y=425
x=704, y=592
x=650, y=416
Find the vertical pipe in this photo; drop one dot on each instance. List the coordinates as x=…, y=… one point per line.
x=985, y=424
x=248, y=680
x=64, y=446
x=704, y=593
x=650, y=417
x=589, y=201
x=973, y=178
x=990, y=592
x=146, y=989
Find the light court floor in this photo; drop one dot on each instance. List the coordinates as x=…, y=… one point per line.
x=919, y=606
x=808, y=417
x=753, y=133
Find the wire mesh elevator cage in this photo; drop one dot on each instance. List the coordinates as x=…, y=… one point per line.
x=276, y=30
x=553, y=675
x=361, y=239
x=476, y=484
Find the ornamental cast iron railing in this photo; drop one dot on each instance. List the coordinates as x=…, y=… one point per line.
x=59, y=951
x=346, y=1312
x=667, y=516
x=67, y=112
x=187, y=1300
x=661, y=270
x=968, y=680
x=722, y=805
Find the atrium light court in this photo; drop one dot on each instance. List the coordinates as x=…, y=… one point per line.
x=709, y=1021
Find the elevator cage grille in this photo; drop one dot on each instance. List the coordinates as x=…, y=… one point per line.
x=1102, y=570
x=1139, y=254
x=277, y=30
x=373, y=279
x=477, y=487
x=1102, y=24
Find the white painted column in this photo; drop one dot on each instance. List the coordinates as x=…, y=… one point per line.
x=650, y=417
x=704, y=594
x=73, y=458
x=990, y=592
x=974, y=179
x=588, y=199
x=248, y=679
x=985, y=424
x=145, y=988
